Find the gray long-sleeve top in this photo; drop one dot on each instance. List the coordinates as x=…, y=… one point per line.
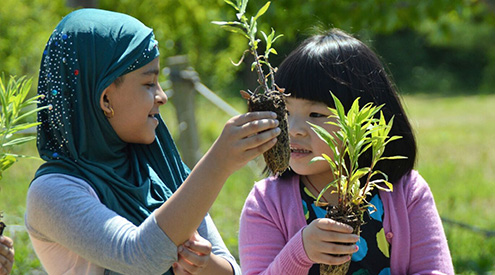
x=74, y=233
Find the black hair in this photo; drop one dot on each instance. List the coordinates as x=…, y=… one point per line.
x=339, y=63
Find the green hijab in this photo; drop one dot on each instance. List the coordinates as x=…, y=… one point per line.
x=86, y=52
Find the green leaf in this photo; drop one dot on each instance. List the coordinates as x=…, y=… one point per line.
x=392, y=158
x=262, y=10
x=236, y=30
x=18, y=141
x=324, y=135
x=331, y=184
x=315, y=159
x=232, y=4
x=276, y=37
x=227, y=23
x=359, y=173
x=339, y=108
x=6, y=161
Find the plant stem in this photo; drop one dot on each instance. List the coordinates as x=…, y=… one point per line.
x=259, y=69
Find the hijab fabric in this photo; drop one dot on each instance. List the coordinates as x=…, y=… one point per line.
x=86, y=52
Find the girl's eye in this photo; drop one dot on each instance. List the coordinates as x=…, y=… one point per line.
x=151, y=85
x=317, y=115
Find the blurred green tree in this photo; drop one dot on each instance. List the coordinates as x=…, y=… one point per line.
x=25, y=28
x=184, y=27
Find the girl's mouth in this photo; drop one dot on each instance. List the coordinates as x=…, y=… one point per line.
x=299, y=152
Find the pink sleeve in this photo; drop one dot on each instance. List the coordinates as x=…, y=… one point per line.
x=263, y=248
x=429, y=249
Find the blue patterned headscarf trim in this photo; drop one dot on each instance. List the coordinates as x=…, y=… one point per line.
x=86, y=52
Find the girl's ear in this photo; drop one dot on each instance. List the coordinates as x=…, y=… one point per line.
x=105, y=105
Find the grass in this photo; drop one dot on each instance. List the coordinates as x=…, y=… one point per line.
x=456, y=156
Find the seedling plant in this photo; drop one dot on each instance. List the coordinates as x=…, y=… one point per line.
x=267, y=96
x=15, y=108
x=359, y=130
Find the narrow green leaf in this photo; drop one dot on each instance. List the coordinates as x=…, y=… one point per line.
x=331, y=184
x=262, y=10
x=232, y=4
x=227, y=23
x=392, y=158
x=236, y=30
x=6, y=161
x=18, y=141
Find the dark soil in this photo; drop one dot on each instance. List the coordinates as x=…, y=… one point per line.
x=277, y=158
x=350, y=217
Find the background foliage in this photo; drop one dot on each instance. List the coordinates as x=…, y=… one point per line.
x=441, y=51
x=434, y=45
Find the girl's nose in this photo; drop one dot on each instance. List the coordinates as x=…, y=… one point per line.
x=160, y=96
x=297, y=126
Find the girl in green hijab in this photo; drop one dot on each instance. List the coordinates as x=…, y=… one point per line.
x=113, y=194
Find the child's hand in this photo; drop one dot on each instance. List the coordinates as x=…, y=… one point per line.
x=6, y=255
x=194, y=255
x=245, y=137
x=324, y=239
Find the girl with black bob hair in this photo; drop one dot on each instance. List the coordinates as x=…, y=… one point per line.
x=345, y=66
x=283, y=232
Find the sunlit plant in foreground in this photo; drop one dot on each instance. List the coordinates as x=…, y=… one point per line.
x=360, y=130
x=15, y=108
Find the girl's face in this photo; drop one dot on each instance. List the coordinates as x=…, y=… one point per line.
x=304, y=142
x=135, y=103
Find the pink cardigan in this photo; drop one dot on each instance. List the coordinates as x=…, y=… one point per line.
x=272, y=220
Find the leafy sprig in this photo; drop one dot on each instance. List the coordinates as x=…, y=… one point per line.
x=15, y=108
x=358, y=131
x=248, y=27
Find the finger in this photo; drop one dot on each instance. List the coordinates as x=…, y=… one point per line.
x=199, y=246
x=259, y=139
x=332, y=225
x=254, y=128
x=338, y=249
x=192, y=259
x=251, y=116
x=5, y=265
x=6, y=251
x=7, y=241
x=186, y=267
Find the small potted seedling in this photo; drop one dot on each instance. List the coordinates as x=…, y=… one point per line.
x=358, y=131
x=267, y=96
x=15, y=107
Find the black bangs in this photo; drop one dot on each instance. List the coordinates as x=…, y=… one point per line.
x=334, y=63
x=338, y=63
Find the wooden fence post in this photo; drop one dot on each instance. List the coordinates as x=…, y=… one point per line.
x=183, y=99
